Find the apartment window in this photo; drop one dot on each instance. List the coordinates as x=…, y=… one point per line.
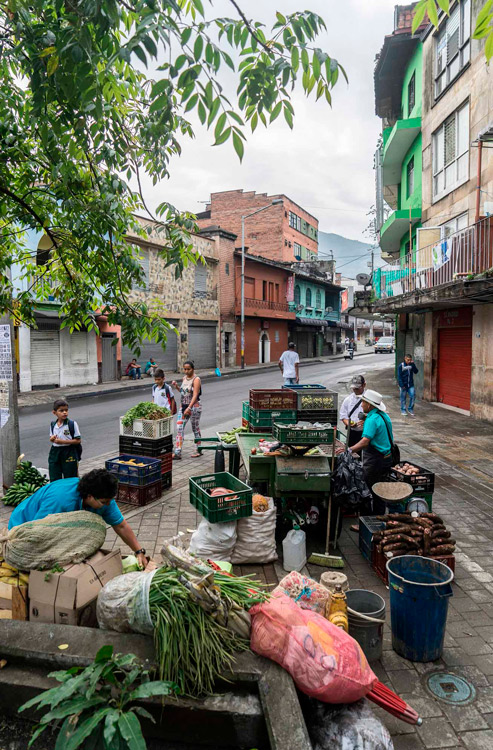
x=410, y=177
x=227, y=269
x=249, y=287
x=452, y=51
x=297, y=250
x=277, y=293
x=454, y=225
x=411, y=94
x=297, y=295
x=200, y=289
x=264, y=290
x=143, y=258
x=276, y=336
x=318, y=299
x=294, y=221
x=451, y=153
x=308, y=297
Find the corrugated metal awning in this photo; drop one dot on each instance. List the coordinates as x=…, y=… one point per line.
x=316, y=323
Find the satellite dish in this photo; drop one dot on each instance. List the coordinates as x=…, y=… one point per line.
x=363, y=279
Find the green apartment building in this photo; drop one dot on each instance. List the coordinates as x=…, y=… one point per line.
x=398, y=99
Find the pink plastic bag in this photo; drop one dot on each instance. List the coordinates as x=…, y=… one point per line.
x=323, y=660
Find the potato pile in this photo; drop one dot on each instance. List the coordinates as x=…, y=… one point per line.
x=408, y=470
x=414, y=534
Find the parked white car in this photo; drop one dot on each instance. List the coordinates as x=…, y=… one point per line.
x=385, y=345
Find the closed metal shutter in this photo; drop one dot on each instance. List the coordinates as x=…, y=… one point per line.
x=454, y=367
x=167, y=359
x=45, y=359
x=202, y=343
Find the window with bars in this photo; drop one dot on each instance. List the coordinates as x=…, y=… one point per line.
x=297, y=295
x=451, y=153
x=318, y=299
x=308, y=297
x=452, y=46
x=411, y=94
x=297, y=250
x=410, y=177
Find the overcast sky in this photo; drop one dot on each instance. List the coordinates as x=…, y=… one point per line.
x=326, y=163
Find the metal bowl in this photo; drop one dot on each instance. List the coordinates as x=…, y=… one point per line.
x=392, y=492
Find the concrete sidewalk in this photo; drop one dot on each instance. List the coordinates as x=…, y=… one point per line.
x=37, y=398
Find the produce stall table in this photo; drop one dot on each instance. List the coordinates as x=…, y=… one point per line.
x=217, y=444
x=259, y=467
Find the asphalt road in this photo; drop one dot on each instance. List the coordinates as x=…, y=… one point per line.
x=98, y=416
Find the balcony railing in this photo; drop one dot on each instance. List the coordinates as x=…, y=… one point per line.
x=463, y=254
x=264, y=304
x=335, y=316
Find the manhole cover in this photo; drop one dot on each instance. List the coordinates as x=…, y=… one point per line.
x=451, y=689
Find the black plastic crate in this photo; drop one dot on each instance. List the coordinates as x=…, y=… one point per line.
x=166, y=480
x=367, y=527
x=422, y=482
x=324, y=416
x=129, y=493
x=136, y=446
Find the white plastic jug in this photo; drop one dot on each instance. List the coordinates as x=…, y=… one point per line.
x=294, y=549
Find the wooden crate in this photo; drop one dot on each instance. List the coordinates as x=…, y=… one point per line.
x=14, y=604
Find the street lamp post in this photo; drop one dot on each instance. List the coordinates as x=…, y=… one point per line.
x=276, y=202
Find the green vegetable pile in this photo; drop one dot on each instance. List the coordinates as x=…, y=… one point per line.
x=192, y=647
x=230, y=437
x=145, y=410
x=27, y=480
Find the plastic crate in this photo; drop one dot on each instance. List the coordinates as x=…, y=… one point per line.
x=422, y=482
x=245, y=410
x=145, y=446
x=166, y=480
x=140, y=476
x=324, y=416
x=308, y=436
x=304, y=386
x=217, y=509
x=266, y=418
x=166, y=463
x=245, y=422
x=367, y=527
x=277, y=399
x=317, y=399
x=129, y=493
x=148, y=428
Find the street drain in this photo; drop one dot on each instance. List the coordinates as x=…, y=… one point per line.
x=450, y=688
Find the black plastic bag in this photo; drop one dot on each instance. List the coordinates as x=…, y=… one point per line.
x=350, y=491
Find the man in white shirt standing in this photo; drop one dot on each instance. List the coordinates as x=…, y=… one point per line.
x=350, y=409
x=289, y=364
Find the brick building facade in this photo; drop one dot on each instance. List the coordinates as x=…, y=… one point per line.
x=284, y=232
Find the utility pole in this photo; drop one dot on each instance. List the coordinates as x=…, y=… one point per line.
x=9, y=410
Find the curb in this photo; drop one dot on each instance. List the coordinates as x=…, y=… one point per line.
x=205, y=379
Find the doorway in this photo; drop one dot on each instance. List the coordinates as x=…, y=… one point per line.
x=108, y=357
x=264, y=348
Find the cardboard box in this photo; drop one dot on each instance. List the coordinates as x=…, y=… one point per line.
x=69, y=598
x=13, y=602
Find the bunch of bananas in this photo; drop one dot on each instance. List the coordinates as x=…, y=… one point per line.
x=11, y=575
x=27, y=480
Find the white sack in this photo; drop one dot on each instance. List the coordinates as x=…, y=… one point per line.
x=256, y=537
x=214, y=541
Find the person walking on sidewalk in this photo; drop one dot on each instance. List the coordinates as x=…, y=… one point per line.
x=376, y=444
x=162, y=395
x=405, y=377
x=190, y=409
x=351, y=408
x=289, y=364
x=66, y=450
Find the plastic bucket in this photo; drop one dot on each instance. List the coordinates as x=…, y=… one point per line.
x=419, y=592
x=368, y=634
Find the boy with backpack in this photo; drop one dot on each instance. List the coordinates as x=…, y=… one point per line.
x=66, y=448
x=162, y=394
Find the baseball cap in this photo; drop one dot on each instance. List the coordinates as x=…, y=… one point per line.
x=357, y=381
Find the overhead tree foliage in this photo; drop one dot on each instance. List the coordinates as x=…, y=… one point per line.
x=95, y=95
x=484, y=20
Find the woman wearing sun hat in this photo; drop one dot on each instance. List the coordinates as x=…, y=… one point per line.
x=376, y=443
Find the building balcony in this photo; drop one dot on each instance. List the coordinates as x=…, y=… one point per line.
x=429, y=273
x=263, y=308
x=398, y=144
x=395, y=227
x=333, y=317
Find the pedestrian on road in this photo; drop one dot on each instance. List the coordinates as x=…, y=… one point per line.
x=405, y=377
x=376, y=444
x=289, y=365
x=151, y=367
x=94, y=492
x=133, y=370
x=66, y=449
x=162, y=395
x=350, y=410
x=190, y=409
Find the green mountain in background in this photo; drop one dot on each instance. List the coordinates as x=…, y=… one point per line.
x=351, y=256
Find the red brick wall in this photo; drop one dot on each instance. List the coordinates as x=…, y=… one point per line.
x=268, y=233
x=252, y=335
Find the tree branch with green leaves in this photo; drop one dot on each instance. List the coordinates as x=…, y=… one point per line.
x=484, y=20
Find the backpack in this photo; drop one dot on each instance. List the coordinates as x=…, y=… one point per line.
x=71, y=428
x=170, y=395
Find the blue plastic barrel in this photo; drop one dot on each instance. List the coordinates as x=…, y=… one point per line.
x=419, y=592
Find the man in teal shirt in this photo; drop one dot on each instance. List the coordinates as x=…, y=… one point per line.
x=375, y=444
x=94, y=492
